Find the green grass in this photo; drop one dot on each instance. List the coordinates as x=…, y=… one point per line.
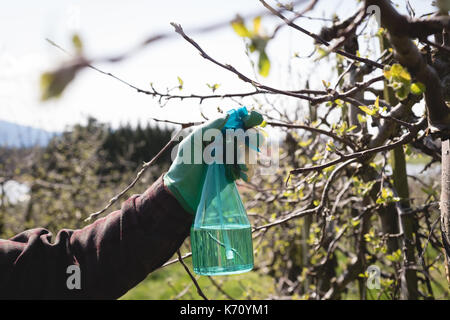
x=171, y=281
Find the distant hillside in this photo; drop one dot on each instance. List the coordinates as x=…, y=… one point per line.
x=16, y=135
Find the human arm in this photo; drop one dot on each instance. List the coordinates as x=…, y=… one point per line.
x=114, y=253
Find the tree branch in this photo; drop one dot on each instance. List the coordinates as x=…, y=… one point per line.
x=406, y=138
x=400, y=30
x=145, y=166
x=199, y=290
x=320, y=39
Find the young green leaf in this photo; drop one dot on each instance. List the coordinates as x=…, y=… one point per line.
x=361, y=118
x=369, y=111
x=377, y=104
x=257, y=24
x=77, y=43
x=326, y=84
x=402, y=92
x=180, y=82
x=240, y=28
x=398, y=71
x=264, y=64
x=213, y=87
x=52, y=84
x=305, y=143
x=418, y=88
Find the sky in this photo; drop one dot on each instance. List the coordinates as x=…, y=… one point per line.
x=110, y=27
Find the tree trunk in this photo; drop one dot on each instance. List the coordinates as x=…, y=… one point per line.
x=388, y=214
x=445, y=204
x=407, y=225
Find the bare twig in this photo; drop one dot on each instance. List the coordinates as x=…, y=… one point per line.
x=156, y=37
x=145, y=166
x=199, y=290
x=230, y=68
x=168, y=263
x=320, y=39
x=406, y=138
x=219, y=287
x=346, y=142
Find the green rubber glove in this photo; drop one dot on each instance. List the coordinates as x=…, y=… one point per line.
x=185, y=180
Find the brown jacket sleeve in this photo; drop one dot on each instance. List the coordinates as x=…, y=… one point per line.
x=114, y=253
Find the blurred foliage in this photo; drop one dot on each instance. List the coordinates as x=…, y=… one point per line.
x=257, y=42
x=78, y=172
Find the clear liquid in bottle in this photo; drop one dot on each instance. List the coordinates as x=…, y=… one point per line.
x=221, y=235
x=228, y=249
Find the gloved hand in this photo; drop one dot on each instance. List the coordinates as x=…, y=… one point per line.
x=185, y=180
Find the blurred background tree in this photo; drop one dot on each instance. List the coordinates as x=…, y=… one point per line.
x=78, y=170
